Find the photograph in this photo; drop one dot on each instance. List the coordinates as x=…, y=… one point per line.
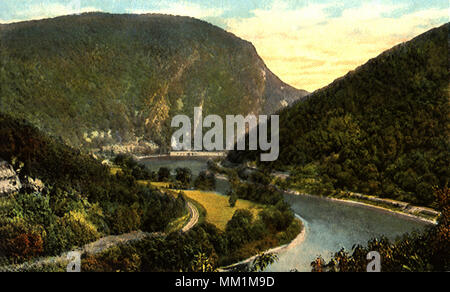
x=227, y=143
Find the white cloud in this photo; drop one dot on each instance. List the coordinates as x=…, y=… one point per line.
x=370, y=11
x=309, y=49
x=182, y=9
x=35, y=12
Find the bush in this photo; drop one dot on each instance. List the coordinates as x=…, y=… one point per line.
x=19, y=240
x=206, y=181
x=164, y=174
x=184, y=176
x=126, y=219
x=233, y=199
x=77, y=229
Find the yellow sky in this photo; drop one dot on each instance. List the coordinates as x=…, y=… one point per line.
x=309, y=50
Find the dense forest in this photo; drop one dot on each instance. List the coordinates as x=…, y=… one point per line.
x=382, y=129
x=100, y=79
x=80, y=202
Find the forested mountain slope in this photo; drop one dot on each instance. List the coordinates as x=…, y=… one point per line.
x=101, y=79
x=382, y=129
x=78, y=202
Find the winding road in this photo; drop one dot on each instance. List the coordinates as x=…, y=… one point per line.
x=102, y=245
x=194, y=218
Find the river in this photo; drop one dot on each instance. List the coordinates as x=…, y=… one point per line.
x=330, y=225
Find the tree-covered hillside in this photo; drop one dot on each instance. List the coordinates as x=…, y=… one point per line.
x=100, y=79
x=383, y=129
x=78, y=202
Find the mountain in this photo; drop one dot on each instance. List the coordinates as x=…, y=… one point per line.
x=383, y=129
x=101, y=79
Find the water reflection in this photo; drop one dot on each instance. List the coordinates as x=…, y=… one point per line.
x=332, y=225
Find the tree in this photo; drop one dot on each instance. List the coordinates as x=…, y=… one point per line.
x=233, y=199
x=163, y=174
x=126, y=219
x=262, y=261
x=77, y=229
x=184, y=176
x=205, y=181
x=20, y=240
x=238, y=229
x=203, y=263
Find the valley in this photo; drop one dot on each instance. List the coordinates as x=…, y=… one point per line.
x=89, y=160
x=323, y=233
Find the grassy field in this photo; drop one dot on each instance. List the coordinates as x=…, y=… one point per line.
x=218, y=211
x=162, y=185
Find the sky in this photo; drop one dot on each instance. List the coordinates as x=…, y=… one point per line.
x=308, y=44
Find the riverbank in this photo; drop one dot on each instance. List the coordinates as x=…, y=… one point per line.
x=400, y=207
x=351, y=201
x=425, y=214
x=297, y=241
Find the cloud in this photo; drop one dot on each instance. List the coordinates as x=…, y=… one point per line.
x=308, y=48
x=41, y=11
x=182, y=9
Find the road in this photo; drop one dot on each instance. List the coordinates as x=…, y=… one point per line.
x=194, y=218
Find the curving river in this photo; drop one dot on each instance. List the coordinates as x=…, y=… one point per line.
x=330, y=225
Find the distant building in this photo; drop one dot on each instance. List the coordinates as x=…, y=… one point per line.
x=197, y=153
x=9, y=181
